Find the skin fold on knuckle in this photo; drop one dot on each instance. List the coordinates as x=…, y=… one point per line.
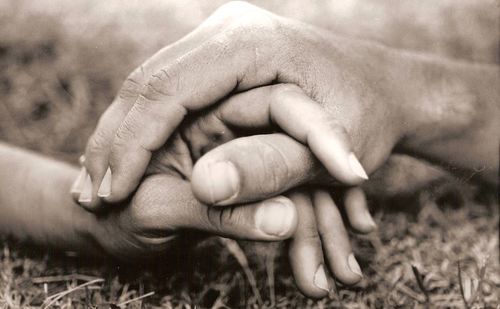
x=132, y=85
x=222, y=219
x=164, y=83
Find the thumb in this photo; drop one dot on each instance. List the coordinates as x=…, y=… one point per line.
x=165, y=204
x=253, y=168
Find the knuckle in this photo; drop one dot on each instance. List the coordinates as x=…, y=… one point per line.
x=133, y=84
x=248, y=23
x=234, y=9
x=308, y=234
x=165, y=82
x=224, y=220
x=255, y=27
x=214, y=216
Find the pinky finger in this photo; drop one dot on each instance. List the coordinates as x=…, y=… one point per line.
x=356, y=208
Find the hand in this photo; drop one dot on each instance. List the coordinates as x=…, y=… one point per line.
x=353, y=115
x=318, y=212
x=163, y=208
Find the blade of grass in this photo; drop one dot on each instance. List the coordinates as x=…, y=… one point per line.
x=460, y=284
x=235, y=249
x=58, y=296
x=420, y=283
x=135, y=299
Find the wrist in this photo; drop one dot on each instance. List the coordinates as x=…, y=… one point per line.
x=35, y=202
x=435, y=100
x=55, y=199
x=450, y=113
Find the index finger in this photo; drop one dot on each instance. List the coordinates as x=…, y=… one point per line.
x=99, y=145
x=227, y=62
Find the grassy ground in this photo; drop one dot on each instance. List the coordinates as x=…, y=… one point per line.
x=56, y=77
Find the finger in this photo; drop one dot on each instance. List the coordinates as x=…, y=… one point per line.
x=252, y=168
x=165, y=203
x=189, y=83
x=357, y=211
x=205, y=133
x=99, y=145
x=302, y=118
x=77, y=187
x=335, y=239
x=306, y=255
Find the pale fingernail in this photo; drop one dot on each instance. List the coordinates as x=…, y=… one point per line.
x=81, y=160
x=105, y=187
x=356, y=167
x=77, y=186
x=86, y=195
x=275, y=217
x=320, y=279
x=353, y=265
x=224, y=182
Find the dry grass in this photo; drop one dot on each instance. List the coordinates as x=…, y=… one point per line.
x=53, y=86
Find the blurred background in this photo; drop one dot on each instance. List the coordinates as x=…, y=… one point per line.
x=62, y=62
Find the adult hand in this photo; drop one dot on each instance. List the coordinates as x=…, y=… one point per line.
x=163, y=208
x=249, y=47
x=357, y=103
x=318, y=213
x=320, y=228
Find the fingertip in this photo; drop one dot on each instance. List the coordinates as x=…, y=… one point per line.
x=332, y=152
x=356, y=166
x=127, y=167
x=335, y=239
x=105, y=186
x=200, y=182
x=215, y=182
x=277, y=217
x=347, y=271
x=120, y=190
x=357, y=211
x=309, y=271
x=77, y=187
x=87, y=198
x=306, y=253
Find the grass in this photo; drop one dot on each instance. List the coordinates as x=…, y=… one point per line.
x=441, y=251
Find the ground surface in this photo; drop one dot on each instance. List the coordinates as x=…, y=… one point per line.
x=61, y=64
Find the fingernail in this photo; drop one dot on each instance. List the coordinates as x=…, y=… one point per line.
x=356, y=167
x=275, y=217
x=105, y=187
x=86, y=196
x=77, y=186
x=353, y=265
x=224, y=182
x=320, y=280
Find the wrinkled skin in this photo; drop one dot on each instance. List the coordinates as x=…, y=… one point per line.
x=321, y=90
